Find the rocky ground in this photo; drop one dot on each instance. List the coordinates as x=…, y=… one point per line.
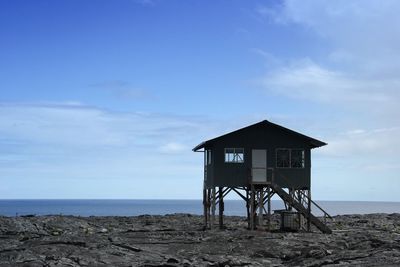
x=179, y=240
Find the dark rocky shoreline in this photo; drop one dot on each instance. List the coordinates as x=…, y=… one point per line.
x=179, y=240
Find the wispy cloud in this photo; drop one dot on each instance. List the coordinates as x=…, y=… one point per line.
x=362, y=33
x=307, y=80
x=57, y=135
x=361, y=70
x=355, y=86
x=124, y=90
x=145, y=2
x=46, y=144
x=81, y=125
x=172, y=147
x=270, y=59
x=381, y=144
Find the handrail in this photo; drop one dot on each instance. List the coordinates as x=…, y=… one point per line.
x=326, y=214
x=267, y=181
x=272, y=181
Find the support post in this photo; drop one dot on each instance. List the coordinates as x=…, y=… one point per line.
x=269, y=191
x=213, y=196
x=299, y=216
x=248, y=208
x=260, y=207
x=221, y=207
x=252, y=208
x=291, y=192
x=309, y=211
x=209, y=207
x=205, y=206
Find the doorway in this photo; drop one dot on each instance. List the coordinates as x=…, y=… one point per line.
x=259, y=165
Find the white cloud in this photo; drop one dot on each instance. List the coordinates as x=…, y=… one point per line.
x=83, y=151
x=363, y=34
x=380, y=144
x=310, y=81
x=355, y=132
x=359, y=75
x=360, y=72
x=145, y=2
x=79, y=151
x=356, y=25
x=172, y=147
x=75, y=126
x=124, y=90
x=382, y=167
x=71, y=142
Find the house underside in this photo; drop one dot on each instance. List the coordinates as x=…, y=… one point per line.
x=257, y=198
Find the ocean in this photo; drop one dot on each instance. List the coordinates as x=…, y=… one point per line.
x=161, y=207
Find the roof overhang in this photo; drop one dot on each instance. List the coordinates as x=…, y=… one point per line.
x=314, y=143
x=199, y=146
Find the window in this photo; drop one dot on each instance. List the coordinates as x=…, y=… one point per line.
x=289, y=158
x=235, y=155
x=207, y=157
x=297, y=158
x=282, y=158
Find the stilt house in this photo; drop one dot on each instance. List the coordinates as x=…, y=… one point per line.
x=257, y=162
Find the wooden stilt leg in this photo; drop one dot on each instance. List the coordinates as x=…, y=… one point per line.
x=309, y=211
x=260, y=207
x=300, y=217
x=269, y=191
x=221, y=207
x=213, y=206
x=205, y=206
x=248, y=208
x=288, y=204
x=209, y=207
x=252, y=208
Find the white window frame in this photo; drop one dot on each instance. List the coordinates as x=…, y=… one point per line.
x=208, y=156
x=236, y=157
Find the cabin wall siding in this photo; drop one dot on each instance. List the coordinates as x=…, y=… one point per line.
x=210, y=175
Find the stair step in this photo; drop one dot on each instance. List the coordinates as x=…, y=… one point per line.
x=301, y=209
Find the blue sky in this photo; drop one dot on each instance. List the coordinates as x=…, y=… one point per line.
x=105, y=99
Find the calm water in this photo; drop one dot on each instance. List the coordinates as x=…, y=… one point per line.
x=138, y=207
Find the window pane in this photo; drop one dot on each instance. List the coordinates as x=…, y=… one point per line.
x=239, y=150
x=234, y=158
x=234, y=155
x=229, y=150
x=297, y=158
x=283, y=158
x=239, y=155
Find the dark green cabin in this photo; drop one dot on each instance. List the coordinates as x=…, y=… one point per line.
x=259, y=153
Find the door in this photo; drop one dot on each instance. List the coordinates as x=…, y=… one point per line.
x=259, y=165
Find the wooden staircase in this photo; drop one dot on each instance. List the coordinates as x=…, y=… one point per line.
x=301, y=209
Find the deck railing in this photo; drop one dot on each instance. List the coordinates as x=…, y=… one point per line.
x=269, y=176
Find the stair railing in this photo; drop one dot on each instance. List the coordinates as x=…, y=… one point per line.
x=304, y=196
